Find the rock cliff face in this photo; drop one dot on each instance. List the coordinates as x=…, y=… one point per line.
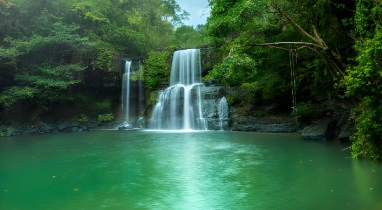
x=211, y=96
x=335, y=124
x=274, y=124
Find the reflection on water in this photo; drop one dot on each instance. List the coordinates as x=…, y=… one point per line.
x=173, y=170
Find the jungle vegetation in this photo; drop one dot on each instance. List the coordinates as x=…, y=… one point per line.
x=291, y=52
x=62, y=51
x=327, y=48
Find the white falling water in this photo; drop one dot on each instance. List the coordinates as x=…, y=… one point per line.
x=141, y=94
x=126, y=90
x=179, y=106
x=223, y=111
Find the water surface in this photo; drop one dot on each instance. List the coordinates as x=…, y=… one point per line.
x=172, y=170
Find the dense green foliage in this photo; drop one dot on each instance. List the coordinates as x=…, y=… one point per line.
x=280, y=37
x=190, y=37
x=319, y=49
x=45, y=64
x=57, y=50
x=157, y=68
x=364, y=80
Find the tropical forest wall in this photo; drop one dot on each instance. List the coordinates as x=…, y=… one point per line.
x=61, y=60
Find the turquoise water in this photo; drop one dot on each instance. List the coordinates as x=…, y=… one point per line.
x=196, y=170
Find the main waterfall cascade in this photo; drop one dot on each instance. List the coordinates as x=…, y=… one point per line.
x=179, y=106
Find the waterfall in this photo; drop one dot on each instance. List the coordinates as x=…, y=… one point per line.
x=126, y=90
x=141, y=94
x=179, y=105
x=223, y=112
x=223, y=108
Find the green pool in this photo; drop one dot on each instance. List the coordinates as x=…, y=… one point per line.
x=174, y=170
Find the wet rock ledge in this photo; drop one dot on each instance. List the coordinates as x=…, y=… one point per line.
x=66, y=127
x=273, y=124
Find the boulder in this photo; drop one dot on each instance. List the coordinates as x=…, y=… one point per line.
x=346, y=133
x=46, y=128
x=76, y=129
x=74, y=124
x=69, y=126
x=319, y=131
x=63, y=126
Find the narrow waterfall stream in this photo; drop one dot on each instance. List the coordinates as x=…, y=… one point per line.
x=126, y=90
x=223, y=112
x=133, y=95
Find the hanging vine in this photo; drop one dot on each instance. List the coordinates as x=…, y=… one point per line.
x=293, y=54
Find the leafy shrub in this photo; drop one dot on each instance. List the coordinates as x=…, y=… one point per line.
x=247, y=93
x=152, y=99
x=366, y=142
x=80, y=118
x=236, y=68
x=157, y=68
x=305, y=111
x=138, y=75
x=104, y=118
x=104, y=59
x=16, y=94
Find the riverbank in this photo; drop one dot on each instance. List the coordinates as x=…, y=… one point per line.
x=319, y=120
x=333, y=126
x=67, y=127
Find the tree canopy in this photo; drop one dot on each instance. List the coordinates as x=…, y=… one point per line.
x=326, y=48
x=312, y=32
x=46, y=45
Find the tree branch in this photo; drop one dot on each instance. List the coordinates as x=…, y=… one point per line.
x=287, y=43
x=318, y=41
x=329, y=63
x=316, y=38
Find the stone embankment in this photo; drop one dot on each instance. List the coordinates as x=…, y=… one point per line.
x=273, y=124
x=67, y=127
